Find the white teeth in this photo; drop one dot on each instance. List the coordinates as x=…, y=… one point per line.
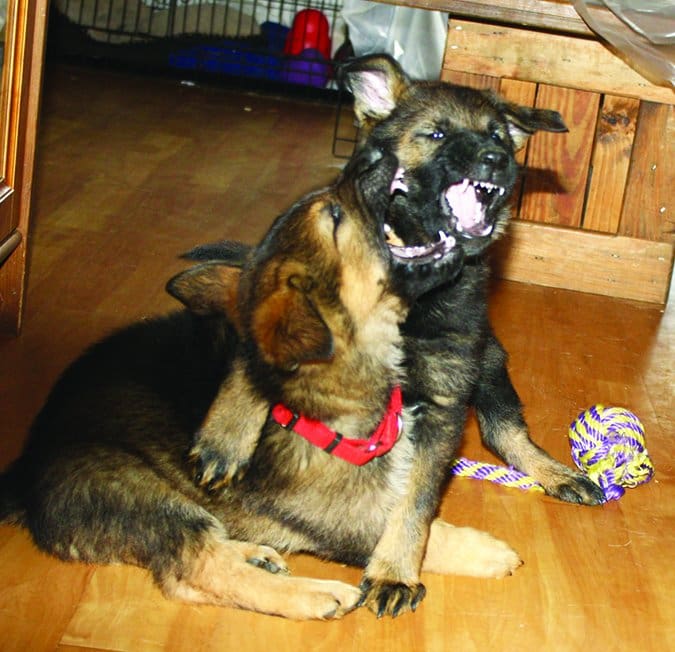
x=485, y=185
x=391, y=237
x=438, y=250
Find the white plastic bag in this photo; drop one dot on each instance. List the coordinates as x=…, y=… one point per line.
x=414, y=37
x=3, y=16
x=643, y=31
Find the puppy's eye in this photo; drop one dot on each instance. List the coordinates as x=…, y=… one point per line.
x=496, y=132
x=437, y=134
x=496, y=137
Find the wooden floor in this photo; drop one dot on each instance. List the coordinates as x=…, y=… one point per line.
x=130, y=173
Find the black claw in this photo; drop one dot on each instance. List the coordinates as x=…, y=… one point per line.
x=267, y=565
x=393, y=598
x=421, y=593
x=382, y=606
x=199, y=472
x=403, y=600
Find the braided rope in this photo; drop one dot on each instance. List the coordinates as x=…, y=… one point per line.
x=606, y=443
x=506, y=476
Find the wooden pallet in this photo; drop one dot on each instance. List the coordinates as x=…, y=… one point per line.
x=596, y=210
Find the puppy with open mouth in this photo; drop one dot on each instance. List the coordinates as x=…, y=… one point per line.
x=457, y=171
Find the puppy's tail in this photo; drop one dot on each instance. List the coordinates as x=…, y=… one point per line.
x=12, y=510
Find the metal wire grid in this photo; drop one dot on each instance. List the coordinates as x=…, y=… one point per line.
x=154, y=19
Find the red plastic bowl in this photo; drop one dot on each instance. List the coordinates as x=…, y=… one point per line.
x=310, y=31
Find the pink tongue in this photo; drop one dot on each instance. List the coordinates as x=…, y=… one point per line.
x=469, y=212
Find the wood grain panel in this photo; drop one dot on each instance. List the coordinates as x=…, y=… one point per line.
x=557, y=164
x=469, y=79
x=609, y=166
x=650, y=197
x=536, y=56
x=558, y=15
x=586, y=261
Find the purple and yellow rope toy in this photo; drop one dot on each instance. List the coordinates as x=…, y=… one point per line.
x=607, y=444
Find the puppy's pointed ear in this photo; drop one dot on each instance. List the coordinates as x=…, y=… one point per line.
x=377, y=82
x=208, y=289
x=288, y=328
x=523, y=121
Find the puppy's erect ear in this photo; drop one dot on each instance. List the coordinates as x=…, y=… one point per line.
x=523, y=121
x=208, y=289
x=288, y=328
x=377, y=82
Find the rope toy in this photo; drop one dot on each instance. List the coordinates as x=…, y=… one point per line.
x=606, y=443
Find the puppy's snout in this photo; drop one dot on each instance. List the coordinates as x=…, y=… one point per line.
x=495, y=159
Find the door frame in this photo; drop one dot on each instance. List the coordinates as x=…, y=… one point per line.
x=21, y=86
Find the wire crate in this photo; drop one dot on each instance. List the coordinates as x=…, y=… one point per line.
x=288, y=41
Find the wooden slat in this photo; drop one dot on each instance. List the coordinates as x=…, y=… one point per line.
x=650, y=198
x=557, y=15
x=585, y=261
x=611, y=158
x=557, y=164
x=535, y=56
x=470, y=79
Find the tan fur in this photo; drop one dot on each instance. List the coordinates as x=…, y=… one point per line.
x=464, y=551
x=226, y=573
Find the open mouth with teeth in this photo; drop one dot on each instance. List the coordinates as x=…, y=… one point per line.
x=467, y=203
x=422, y=254
x=426, y=253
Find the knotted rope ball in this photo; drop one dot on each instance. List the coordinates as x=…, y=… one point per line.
x=608, y=445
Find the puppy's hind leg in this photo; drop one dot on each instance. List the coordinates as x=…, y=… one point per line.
x=112, y=507
x=249, y=576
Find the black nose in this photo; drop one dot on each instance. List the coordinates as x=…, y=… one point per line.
x=493, y=158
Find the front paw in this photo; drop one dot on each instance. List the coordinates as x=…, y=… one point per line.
x=576, y=488
x=390, y=598
x=215, y=467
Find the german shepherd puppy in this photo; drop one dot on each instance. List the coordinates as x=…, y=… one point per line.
x=311, y=321
x=457, y=172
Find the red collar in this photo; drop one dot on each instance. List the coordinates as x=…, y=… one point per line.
x=354, y=451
